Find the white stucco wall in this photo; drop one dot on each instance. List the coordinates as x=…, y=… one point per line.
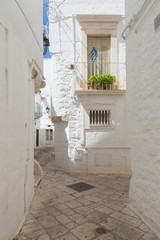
x=18, y=47
x=143, y=70
x=76, y=148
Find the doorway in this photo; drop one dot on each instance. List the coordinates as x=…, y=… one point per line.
x=37, y=137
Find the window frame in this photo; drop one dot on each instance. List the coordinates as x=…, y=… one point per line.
x=98, y=25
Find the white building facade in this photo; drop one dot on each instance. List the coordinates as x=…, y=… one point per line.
x=143, y=69
x=21, y=76
x=84, y=141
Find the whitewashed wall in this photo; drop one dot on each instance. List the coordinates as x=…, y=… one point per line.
x=18, y=47
x=74, y=148
x=143, y=97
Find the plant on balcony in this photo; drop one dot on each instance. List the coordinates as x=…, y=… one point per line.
x=101, y=82
x=109, y=81
x=92, y=82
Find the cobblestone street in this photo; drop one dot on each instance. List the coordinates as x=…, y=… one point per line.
x=61, y=213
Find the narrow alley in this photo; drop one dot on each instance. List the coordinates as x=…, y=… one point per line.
x=59, y=212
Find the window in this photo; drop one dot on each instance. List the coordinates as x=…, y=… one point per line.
x=49, y=135
x=98, y=47
x=98, y=54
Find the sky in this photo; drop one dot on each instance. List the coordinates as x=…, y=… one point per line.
x=45, y=20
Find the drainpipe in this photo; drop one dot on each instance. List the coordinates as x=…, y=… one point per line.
x=130, y=24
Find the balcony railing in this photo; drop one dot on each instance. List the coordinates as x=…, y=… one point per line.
x=89, y=69
x=38, y=110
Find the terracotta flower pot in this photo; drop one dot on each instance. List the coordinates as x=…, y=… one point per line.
x=109, y=86
x=72, y=66
x=100, y=86
x=91, y=86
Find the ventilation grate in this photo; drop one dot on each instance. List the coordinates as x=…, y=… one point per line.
x=100, y=117
x=80, y=187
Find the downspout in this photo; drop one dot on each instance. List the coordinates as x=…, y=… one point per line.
x=130, y=24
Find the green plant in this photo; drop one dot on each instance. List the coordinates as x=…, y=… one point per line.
x=109, y=79
x=92, y=80
x=102, y=79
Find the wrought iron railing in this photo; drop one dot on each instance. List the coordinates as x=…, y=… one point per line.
x=89, y=69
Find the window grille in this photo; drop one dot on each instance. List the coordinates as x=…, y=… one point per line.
x=100, y=117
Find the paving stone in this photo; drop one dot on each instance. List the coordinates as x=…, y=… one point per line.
x=71, y=225
x=144, y=228
x=114, y=197
x=109, y=202
x=66, y=198
x=93, y=199
x=104, y=209
x=116, y=207
x=44, y=237
x=73, y=204
x=95, y=205
x=20, y=238
x=60, y=206
x=126, y=232
x=84, y=201
x=129, y=212
x=53, y=211
x=63, y=219
x=68, y=211
x=36, y=205
x=68, y=236
x=85, y=231
x=96, y=216
x=107, y=236
x=85, y=210
x=128, y=219
x=110, y=223
x=48, y=221
x=38, y=212
x=35, y=234
x=31, y=226
x=78, y=219
x=29, y=217
x=57, y=231
x=149, y=236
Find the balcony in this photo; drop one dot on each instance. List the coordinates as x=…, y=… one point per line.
x=101, y=68
x=38, y=110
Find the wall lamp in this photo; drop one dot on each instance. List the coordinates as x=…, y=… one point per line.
x=45, y=44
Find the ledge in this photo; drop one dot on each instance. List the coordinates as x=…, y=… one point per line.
x=98, y=17
x=101, y=92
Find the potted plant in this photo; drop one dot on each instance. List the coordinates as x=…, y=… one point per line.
x=100, y=82
x=92, y=82
x=109, y=80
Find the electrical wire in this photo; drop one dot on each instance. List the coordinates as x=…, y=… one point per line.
x=28, y=24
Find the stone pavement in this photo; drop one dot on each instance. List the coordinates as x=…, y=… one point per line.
x=61, y=213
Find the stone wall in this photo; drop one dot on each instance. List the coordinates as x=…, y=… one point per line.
x=143, y=70
x=78, y=153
